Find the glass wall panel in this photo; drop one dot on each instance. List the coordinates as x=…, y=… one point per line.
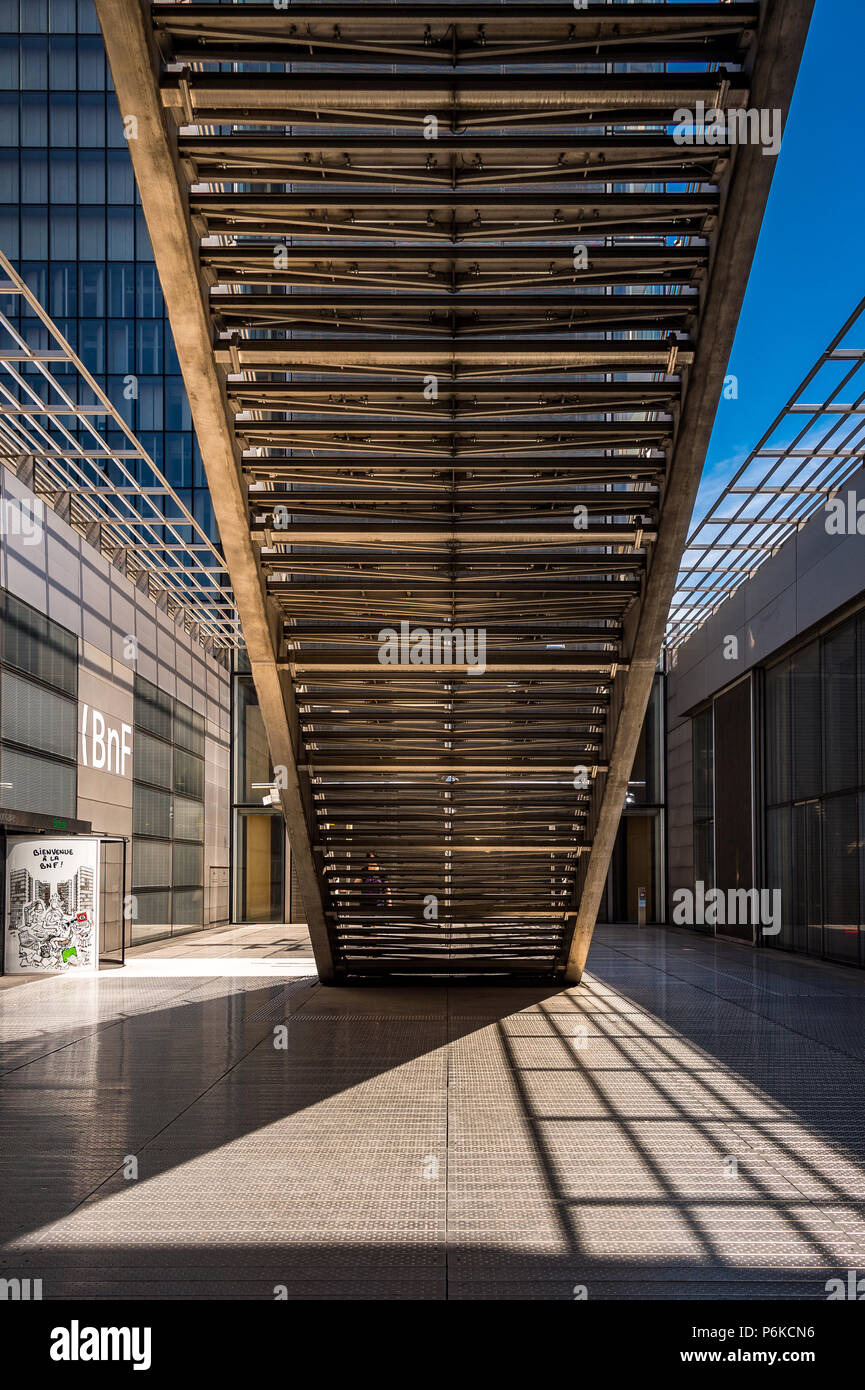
x=815, y=782
x=35, y=645
x=779, y=870
x=152, y=709
x=645, y=783
x=260, y=849
x=840, y=751
x=704, y=852
x=188, y=867
x=37, y=718
x=152, y=760
x=778, y=733
x=841, y=915
x=253, y=758
x=188, y=774
x=188, y=907
x=188, y=819
x=166, y=732
x=151, y=812
x=153, y=916
x=702, y=746
x=64, y=156
x=704, y=797
x=807, y=760
x=189, y=729
x=42, y=785
x=151, y=864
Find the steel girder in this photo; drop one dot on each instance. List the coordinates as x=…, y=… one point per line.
x=453, y=308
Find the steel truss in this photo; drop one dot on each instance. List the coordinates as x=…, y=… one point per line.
x=453, y=308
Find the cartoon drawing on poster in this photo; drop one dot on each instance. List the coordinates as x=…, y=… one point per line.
x=50, y=905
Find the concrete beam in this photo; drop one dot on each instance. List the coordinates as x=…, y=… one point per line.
x=134, y=68
x=781, y=42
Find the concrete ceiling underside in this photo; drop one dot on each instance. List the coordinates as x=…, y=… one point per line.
x=453, y=310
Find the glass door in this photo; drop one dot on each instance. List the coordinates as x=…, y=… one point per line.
x=112, y=891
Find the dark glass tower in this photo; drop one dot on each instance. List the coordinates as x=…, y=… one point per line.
x=71, y=222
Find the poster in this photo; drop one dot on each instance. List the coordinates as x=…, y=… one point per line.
x=51, y=904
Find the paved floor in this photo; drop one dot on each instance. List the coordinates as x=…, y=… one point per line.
x=687, y=1123
x=286, y=940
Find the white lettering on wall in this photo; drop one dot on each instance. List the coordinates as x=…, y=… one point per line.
x=105, y=747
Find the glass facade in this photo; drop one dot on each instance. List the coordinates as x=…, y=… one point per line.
x=638, y=854
x=704, y=797
x=815, y=793
x=259, y=831
x=167, y=815
x=71, y=222
x=38, y=712
x=809, y=796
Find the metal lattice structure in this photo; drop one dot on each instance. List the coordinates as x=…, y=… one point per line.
x=452, y=307
x=803, y=460
x=58, y=433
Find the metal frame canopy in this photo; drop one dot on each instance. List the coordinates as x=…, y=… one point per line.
x=63, y=437
x=804, y=459
x=453, y=308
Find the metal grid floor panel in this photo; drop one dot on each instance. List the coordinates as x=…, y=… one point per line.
x=639, y=1135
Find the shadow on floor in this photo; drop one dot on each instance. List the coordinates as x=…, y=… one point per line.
x=679, y=1126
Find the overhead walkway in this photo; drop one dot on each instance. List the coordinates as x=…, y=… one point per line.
x=453, y=310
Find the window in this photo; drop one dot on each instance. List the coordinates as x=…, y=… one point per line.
x=188, y=775
x=39, y=647
x=41, y=785
x=168, y=814
x=188, y=907
x=253, y=769
x=807, y=759
x=188, y=865
x=91, y=176
x=704, y=796
x=151, y=811
x=841, y=878
x=188, y=819
x=152, y=709
x=815, y=792
x=61, y=60
x=38, y=712
x=37, y=718
x=152, y=761
x=64, y=176
x=62, y=119
x=189, y=729
x=838, y=686
x=151, y=863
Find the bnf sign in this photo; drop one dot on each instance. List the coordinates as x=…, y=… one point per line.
x=104, y=745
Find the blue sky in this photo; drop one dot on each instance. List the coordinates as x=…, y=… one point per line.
x=809, y=269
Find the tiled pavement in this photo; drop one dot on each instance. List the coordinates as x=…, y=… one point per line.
x=689, y=1122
